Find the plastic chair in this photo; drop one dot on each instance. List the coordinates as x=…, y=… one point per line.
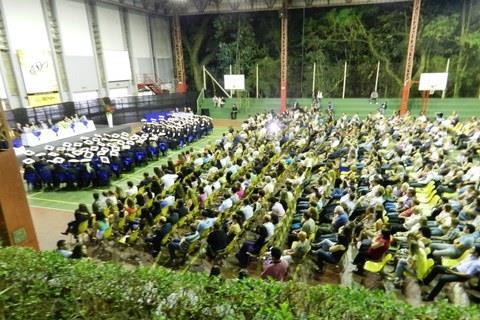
x=107, y=234
x=450, y=263
x=423, y=265
x=377, y=266
x=82, y=227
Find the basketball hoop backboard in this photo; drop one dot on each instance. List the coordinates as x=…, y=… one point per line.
x=433, y=82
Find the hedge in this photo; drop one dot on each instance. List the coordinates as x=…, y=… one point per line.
x=47, y=286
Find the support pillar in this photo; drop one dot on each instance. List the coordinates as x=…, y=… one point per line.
x=178, y=50
x=407, y=81
x=16, y=224
x=283, y=57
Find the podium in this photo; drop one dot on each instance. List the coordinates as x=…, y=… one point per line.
x=16, y=224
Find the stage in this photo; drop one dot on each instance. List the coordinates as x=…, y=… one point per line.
x=101, y=129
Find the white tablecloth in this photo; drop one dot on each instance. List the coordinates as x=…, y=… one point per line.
x=49, y=135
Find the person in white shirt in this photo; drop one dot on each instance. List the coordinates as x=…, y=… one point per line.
x=131, y=189
x=226, y=204
x=278, y=209
x=269, y=186
x=168, y=180
x=467, y=269
x=247, y=210
x=198, y=161
x=267, y=223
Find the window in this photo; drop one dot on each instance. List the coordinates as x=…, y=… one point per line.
x=118, y=93
x=83, y=96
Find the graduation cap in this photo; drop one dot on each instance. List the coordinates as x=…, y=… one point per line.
x=131, y=143
x=121, y=142
x=105, y=160
x=50, y=161
x=114, y=154
x=66, y=144
x=84, y=138
x=71, y=149
x=115, y=136
x=41, y=154
x=61, y=149
x=124, y=134
x=77, y=152
x=94, y=148
x=101, y=144
x=73, y=161
x=85, y=160
x=69, y=155
x=88, y=155
x=29, y=153
x=49, y=148
x=126, y=147
x=110, y=144
x=107, y=135
x=115, y=149
x=97, y=135
x=143, y=120
x=102, y=153
x=88, y=142
x=96, y=139
x=85, y=149
x=134, y=137
x=28, y=161
x=77, y=144
x=58, y=160
x=145, y=136
x=53, y=154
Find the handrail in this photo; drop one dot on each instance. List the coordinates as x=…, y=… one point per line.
x=202, y=96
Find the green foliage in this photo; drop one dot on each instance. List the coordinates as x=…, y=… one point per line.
x=47, y=286
x=361, y=35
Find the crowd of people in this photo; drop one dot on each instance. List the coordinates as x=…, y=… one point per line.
x=398, y=190
x=92, y=161
x=66, y=122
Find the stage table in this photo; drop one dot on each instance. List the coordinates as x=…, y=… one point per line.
x=43, y=136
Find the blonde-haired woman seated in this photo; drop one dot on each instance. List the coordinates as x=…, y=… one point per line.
x=299, y=248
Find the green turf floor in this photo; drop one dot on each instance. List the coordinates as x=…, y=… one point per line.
x=466, y=107
x=69, y=200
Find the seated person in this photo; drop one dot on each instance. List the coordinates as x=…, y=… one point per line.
x=252, y=247
x=267, y=223
x=458, y=247
x=63, y=249
x=155, y=241
x=217, y=240
x=275, y=268
x=299, y=248
x=372, y=250
x=461, y=273
x=332, y=252
x=184, y=242
x=233, y=228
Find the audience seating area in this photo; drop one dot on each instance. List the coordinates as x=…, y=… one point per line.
x=399, y=195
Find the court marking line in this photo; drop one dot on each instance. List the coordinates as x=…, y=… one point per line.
x=49, y=208
x=57, y=201
x=34, y=194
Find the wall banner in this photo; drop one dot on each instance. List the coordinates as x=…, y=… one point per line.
x=38, y=71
